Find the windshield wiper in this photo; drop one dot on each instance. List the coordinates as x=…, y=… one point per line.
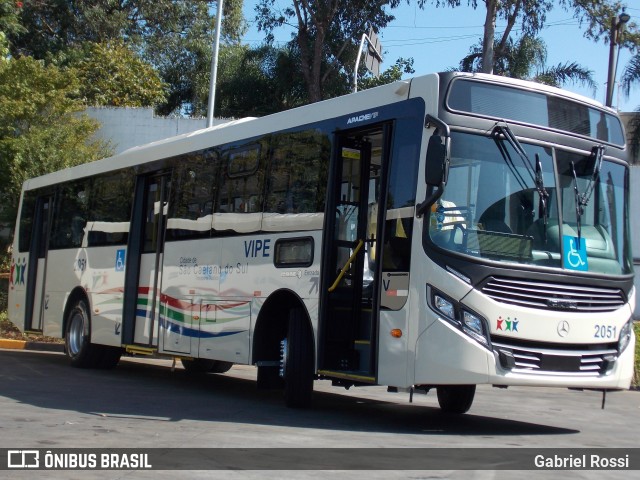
x=501, y=131
x=582, y=199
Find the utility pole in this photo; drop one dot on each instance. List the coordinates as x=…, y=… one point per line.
x=617, y=27
x=214, y=67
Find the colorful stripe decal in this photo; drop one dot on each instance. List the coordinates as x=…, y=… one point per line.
x=176, y=315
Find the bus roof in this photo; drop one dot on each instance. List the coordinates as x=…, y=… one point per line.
x=252, y=127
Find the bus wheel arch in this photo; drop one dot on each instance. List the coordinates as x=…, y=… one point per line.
x=273, y=325
x=82, y=353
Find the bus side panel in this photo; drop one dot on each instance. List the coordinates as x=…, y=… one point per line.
x=65, y=270
x=104, y=281
x=106, y=318
x=393, y=352
x=191, y=275
x=17, y=287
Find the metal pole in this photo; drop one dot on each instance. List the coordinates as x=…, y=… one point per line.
x=214, y=67
x=355, y=72
x=611, y=77
x=618, y=25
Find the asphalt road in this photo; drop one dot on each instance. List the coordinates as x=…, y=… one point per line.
x=44, y=404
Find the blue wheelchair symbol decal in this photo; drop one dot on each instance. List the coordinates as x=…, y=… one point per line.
x=575, y=253
x=120, y=260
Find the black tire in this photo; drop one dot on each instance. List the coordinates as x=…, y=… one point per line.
x=197, y=365
x=298, y=361
x=77, y=341
x=221, y=367
x=204, y=365
x=456, y=399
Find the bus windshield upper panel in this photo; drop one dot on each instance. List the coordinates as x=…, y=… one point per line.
x=497, y=207
x=534, y=108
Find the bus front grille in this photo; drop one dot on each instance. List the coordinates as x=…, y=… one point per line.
x=553, y=296
x=590, y=361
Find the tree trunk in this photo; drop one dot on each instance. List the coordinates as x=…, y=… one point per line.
x=489, y=35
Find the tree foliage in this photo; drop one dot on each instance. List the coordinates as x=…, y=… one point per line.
x=257, y=81
x=110, y=74
x=9, y=17
x=390, y=75
x=531, y=16
x=526, y=59
x=41, y=128
x=326, y=35
x=174, y=37
x=631, y=79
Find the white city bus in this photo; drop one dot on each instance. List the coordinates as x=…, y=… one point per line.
x=443, y=232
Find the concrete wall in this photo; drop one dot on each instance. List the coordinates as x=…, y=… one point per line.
x=130, y=127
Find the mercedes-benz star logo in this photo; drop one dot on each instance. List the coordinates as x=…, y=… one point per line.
x=563, y=328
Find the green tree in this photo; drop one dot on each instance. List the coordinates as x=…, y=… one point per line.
x=52, y=26
x=631, y=78
x=326, y=36
x=257, y=81
x=110, y=74
x=531, y=15
x=390, y=75
x=9, y=17
x=526, y=59
x=41, y=128
x=175, y=37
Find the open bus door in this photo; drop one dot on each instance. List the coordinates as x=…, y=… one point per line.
x=352, y=257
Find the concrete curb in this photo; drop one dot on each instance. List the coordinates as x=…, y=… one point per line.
x=26, y=345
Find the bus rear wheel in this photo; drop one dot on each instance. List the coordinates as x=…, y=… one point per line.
x=456, y=399
x=78, y=347
x=296, y=364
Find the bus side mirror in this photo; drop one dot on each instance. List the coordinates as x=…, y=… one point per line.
x=437, y=163
x=436, y=168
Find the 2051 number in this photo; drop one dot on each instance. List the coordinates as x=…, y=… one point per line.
x=605, y=332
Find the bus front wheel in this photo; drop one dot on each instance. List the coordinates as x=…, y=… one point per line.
x=77, y=341
x=456, y=398
x=81, y=352
x=296, y=365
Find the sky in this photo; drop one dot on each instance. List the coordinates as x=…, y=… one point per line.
x=438, y=38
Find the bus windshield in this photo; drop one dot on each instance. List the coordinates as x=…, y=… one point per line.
x=502, y=206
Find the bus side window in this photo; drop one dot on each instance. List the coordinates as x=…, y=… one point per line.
x=110, y=209
x=296, y=176
x=241, y=190
x=70, y=215
x=191, y=205
x=397, y=245
x=27, y=215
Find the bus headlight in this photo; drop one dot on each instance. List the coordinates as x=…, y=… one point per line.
x=625, y=335
x=444, y=306
x=472, y=324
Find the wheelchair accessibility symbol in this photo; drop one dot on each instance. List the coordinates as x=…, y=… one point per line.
x=575, y=253
x=120, y=260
